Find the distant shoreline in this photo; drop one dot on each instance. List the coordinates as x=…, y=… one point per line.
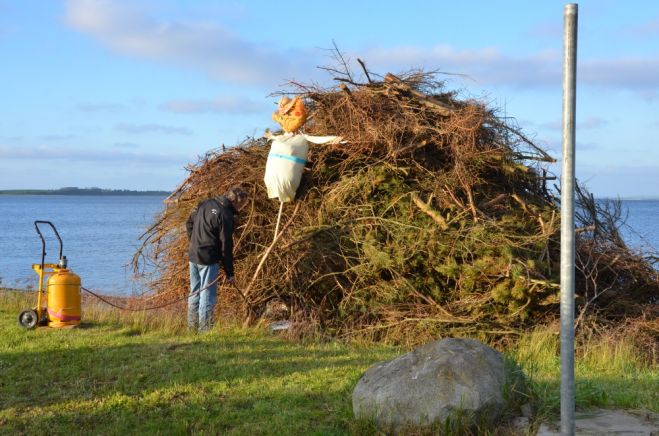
x=82, y=191
x=629, y=198
x=129, y=192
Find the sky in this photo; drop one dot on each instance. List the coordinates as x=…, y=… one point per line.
x=126, y=94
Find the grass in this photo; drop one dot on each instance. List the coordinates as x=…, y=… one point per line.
x=131, y=373
x=107, y=378
x=609, y=373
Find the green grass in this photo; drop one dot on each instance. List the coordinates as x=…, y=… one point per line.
x=109, y=379
x=609, y=373
x=131, y=373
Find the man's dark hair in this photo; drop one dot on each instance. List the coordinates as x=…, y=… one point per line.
x=236, y=194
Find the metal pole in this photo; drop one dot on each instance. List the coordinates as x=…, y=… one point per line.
x=567, y=219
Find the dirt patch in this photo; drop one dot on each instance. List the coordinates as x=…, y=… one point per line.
x=609, y=422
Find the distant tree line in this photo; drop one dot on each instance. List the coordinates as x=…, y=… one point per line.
x=72, y=190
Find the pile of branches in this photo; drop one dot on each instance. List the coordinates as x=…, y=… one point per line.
x=431, y=217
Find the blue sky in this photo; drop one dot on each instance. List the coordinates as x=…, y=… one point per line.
x=125, y=94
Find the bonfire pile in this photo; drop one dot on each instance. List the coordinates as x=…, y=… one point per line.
x=432, y=217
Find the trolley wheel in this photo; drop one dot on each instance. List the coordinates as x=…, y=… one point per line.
x=28, y=319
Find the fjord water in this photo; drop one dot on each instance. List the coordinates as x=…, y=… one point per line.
x=642, y=224
x=100, y=235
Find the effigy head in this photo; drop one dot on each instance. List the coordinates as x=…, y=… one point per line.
x=291, y=114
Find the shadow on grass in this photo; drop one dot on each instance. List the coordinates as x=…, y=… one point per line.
x=187, y=413
x=202, y=372
x=209, y=384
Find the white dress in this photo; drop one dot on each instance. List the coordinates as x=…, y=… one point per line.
x=286, y=161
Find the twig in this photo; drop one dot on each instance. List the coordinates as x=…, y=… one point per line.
x=398, y=84
x=361, y=62
x=430, y=212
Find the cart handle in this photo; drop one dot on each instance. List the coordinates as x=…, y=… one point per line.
x=43, y=241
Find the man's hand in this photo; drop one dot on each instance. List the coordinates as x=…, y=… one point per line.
x=231, y=280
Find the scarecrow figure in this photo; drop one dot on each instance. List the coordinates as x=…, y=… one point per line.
x=288, y=154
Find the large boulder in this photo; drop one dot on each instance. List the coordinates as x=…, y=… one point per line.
x=443, y=380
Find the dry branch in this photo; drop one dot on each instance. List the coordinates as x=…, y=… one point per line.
x=425, y=208
x=364, y=255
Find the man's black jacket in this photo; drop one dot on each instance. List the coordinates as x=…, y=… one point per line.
x=210, y=232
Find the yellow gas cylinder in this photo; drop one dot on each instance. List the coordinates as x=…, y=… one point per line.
x=63, y=299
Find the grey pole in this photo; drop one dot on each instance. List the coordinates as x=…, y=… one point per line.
x=567, y=219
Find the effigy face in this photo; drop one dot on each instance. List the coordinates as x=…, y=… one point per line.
x=291, y=114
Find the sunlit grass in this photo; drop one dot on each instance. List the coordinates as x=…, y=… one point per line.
x=132, y=372
x=609, y=372
x=107, y=377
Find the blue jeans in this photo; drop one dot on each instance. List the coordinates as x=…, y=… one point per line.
x=202, y=304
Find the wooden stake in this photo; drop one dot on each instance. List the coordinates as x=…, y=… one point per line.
x=281, y=208
x=248, y=290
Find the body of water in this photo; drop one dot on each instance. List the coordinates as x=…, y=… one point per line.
x=100, y=235
x=642, y=229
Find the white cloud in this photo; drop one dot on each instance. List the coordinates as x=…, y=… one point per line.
x=128, y=28
x=588, y=123
x=486, y=66
x=126, y=145
x=490, y=66
x=152, y=128
x=13, y=138
x=223, y=104
x=648, y=29
x=592, y=123
x=55, y=137
x=637, y=74
x=90, y=155
x=100, y=107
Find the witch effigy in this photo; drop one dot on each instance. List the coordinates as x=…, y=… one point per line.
x=289, y=151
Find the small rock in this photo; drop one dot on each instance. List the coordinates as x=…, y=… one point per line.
x=520, y=424
x=279, y=326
